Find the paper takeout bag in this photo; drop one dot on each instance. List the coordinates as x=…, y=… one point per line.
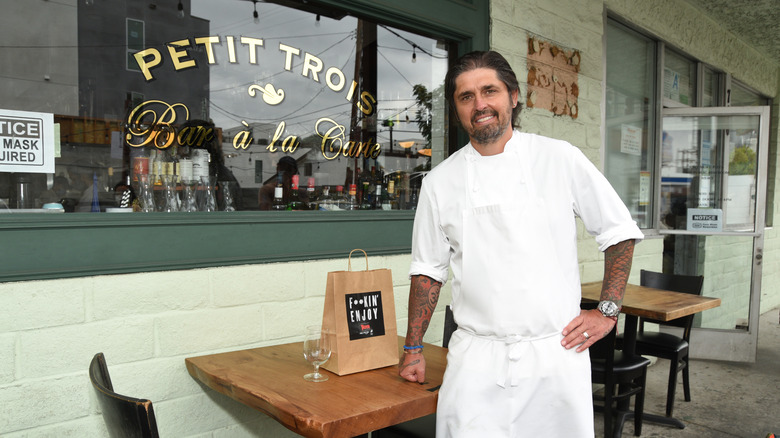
x=360, y=316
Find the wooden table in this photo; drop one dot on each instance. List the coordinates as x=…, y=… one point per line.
x=270, y=379
x=658, y=304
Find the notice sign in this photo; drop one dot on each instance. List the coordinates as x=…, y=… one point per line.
x=705, y=219
x=26, y=142
x=365, y=318
x=631, y=140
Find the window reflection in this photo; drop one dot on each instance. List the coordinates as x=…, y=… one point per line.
x=712, y=167
x=630, y=121
x=337, y=112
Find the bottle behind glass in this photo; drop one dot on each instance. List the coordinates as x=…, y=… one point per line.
x=278, y=202
x=339, y=201
x=311, y=196
x=295, y=197
x=366, y=202
x=376, y=199
x=384, y=198
x=351, y=200
x=391, y=199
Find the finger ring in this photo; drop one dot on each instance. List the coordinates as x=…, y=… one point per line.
x=585, y=334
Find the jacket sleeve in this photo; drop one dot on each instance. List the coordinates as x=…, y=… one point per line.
x=430, y=246
x=603, y=213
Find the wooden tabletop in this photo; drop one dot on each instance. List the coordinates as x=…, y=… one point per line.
x=270, y=379
x=659, y=304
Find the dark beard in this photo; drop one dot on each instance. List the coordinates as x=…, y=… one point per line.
x=487, y=134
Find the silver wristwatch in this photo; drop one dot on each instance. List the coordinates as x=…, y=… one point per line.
x=609, y=308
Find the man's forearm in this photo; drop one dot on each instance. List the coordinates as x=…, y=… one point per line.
x=617, y=267
x=423, y=296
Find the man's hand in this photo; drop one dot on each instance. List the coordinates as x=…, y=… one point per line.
x=586, y=329
x=412, y=367
x=423, y=296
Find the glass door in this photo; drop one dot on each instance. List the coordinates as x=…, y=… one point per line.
x=711, y=209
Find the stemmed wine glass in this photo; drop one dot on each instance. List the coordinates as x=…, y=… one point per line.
x=316, y=349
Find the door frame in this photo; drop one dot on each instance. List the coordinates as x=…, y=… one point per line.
x=736, y=345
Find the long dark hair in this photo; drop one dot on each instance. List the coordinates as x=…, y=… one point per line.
x=480, y=59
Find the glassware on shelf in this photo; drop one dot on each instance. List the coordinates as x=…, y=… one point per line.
x=317, y=350
x=208, y=201
x=146, y=184
x=170, y=194
x=227, y=188
x=325, y=201
x=190, y=196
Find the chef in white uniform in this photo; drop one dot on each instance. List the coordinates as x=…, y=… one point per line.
x=500, y=213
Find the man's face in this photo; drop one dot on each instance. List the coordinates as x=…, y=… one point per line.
x=484, y=105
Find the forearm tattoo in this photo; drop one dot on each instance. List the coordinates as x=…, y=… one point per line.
x=617, y=266
x=423, y=296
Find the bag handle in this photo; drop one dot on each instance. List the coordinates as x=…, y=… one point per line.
x=349, y=262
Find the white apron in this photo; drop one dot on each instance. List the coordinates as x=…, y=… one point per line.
x=507, y=373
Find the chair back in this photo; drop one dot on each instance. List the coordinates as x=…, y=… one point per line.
x=689, y=284
x=124, y=416
x=449, y=326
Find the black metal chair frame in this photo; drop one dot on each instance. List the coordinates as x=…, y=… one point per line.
x=666, y=345
x=124, y=416
x=622, y=377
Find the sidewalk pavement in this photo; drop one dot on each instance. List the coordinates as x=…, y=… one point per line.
x=728, y=399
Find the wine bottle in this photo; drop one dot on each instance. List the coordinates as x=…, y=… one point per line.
x=366, y=201
x=351, y=200
x=278, y=202
x=311, y=196
x=295, y=202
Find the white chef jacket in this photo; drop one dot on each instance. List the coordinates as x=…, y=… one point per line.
x=506, y=226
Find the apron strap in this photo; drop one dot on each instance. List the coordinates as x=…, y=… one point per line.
x=516, y=344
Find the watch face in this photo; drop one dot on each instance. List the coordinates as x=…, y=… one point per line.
x=608, y=308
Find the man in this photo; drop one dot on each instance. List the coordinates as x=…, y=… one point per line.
x=500, y=213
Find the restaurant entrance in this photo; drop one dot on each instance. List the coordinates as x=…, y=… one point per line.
x=711, y=196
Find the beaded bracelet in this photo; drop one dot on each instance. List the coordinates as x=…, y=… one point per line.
x=412, y=347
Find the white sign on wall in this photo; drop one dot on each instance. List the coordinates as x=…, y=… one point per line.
x=26, y=142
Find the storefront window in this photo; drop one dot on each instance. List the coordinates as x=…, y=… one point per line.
x=743, y=96
x=711, y=88
x=630, y=123
x=633, y=149
x=131, y=106
x=679, y=80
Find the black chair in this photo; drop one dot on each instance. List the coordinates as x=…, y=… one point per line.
x=622, y=377
x=124, y=416
x=423, y=427
x=666, y=345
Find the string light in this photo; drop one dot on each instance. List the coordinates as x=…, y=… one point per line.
x=317, y=21
x=255, y=14
x=414, y=53
x=180, y=7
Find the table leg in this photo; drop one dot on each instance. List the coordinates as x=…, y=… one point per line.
x=629, y=334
